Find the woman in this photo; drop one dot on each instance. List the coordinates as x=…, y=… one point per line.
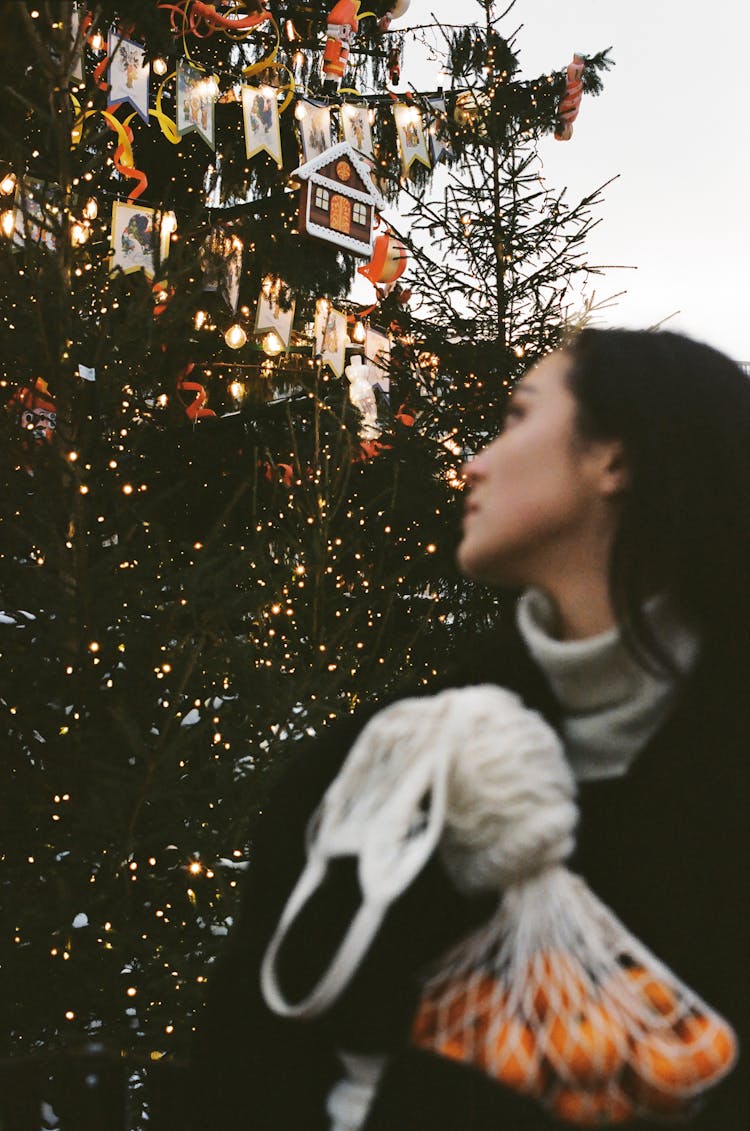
x=617, y=498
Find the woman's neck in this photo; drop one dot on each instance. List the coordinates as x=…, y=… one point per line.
x=583, y=608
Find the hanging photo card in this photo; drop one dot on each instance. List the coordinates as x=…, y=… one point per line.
x=314, y=123
x=231, y=276
x=270, y=316
x=76, y=70
x=36, y=214
x=378, y=357
x=128, y=73
x=330, y=337
x=411, y=139
x=134, y=239
x=260, y=111
x=438, y=133
x=355, y=124
x=221, y=262
x=196, y=96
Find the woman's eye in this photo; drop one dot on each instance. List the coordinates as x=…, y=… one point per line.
x=513, y=414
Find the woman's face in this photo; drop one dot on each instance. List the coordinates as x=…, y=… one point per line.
x=538, y=498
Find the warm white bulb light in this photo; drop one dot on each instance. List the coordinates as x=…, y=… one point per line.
x=235, y=337
x=272, y=343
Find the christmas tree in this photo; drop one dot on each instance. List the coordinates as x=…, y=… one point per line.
x=228, y=489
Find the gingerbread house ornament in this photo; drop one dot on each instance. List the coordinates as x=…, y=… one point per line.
x=338, y=201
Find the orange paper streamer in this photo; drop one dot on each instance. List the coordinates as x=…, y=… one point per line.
x=202, y=20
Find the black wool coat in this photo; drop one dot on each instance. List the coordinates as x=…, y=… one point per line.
x=665, y=847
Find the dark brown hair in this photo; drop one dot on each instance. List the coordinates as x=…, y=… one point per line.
x=682, y=412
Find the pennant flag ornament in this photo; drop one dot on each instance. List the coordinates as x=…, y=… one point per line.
x=76, y=72
x=260, y=110
x=355, y=124
x=330, y=336
x=128, y=73
x=270, y=318
x=438, y=133
x=378, y=356
x=197, y=92
x=314, y=123
x=411, y=139
x=136, y=236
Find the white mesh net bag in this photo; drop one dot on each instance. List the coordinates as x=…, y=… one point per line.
x=552, y=996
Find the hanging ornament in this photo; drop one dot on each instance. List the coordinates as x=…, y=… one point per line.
x=338, y=200
x=388, y=261
x=471, y=110
x=330, y=336
x=270, y=317
x=197, y=92
x=570, y=103
x=221, y=261
x=411, y=140
x=355, y=123
x=37, y=413
x=362, y=396
x=395, y=11
x=395, y=60
x=438, y=134
x=342, y=24
x=260, y=111
x=128, y=74
x=378, y=356
x=139, y=240
x=314, y=123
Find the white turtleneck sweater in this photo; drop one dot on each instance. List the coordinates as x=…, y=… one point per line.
x=611, y=704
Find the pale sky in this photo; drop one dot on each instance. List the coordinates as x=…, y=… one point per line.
x=672, y=122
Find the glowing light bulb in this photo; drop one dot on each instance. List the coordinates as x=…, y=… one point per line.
x=235, y=337
x=8, y=183
x=97, y=41
x=78, y=234
x=8, y=223
x=358, y=333
x=159, y=66
x=168, y=223
x=272, y=343
x=200, y=319
x=237, y=390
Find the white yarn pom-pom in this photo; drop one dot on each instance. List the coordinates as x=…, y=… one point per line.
x=511, y=794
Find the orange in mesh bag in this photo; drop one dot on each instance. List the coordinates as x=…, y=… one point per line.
x=554, y=997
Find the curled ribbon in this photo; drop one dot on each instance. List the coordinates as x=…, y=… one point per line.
x=168, y=127
x=570, y=103
x=123, y=155
x=202, y=20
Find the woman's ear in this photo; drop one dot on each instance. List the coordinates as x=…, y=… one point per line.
x=615, y=470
